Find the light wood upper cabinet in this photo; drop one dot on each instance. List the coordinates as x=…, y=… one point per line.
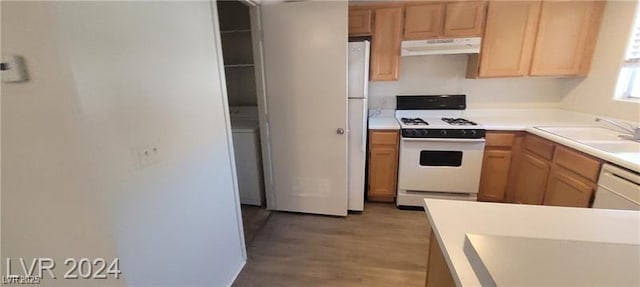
x=566, y=37
x=464, y=18
x=383, y=165
x=360, y=22
x=508, y=40
x=566, y=188
x=385, y=50
x=424, y=21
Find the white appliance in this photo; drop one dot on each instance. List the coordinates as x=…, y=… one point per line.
x=246, y=146
x=357, y=101
x=617, y=189
x=440, y=152
x=441, y=46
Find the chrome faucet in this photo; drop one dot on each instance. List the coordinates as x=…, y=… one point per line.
x=631, y=132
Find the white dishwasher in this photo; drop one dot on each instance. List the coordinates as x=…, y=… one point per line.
x=617, y=189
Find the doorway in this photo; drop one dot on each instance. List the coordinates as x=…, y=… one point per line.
x=238, y=22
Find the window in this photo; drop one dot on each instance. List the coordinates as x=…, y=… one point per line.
x=629, y=79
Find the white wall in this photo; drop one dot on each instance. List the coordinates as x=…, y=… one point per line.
x=445, y=74
x=108, y=78
x=595, y=93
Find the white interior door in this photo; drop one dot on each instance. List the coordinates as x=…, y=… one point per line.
x=305, y=61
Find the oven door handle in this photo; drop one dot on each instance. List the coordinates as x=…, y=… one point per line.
x=443, y=140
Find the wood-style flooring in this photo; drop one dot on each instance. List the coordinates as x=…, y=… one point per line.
x=382, y=246
x=253, y=219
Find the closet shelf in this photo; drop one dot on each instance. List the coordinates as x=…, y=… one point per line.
x=238, y=65
x=235, y=31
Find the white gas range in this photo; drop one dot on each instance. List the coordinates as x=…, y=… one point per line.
x=440, y=152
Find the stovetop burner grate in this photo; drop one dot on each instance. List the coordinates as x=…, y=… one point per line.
x=458, y=122
x=414, y=121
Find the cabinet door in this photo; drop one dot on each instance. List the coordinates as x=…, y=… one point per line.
x=383, y=166
x=385, y=51
x=516, y=157
x=438, y=272
x=531, y=179
x=464, y=19
x=360, y=22
x=495, y=174
x=423, y=21
x=566, y=188
x=566, y=37
x=508, y=39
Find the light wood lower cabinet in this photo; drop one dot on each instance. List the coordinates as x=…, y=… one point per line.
x=531, y=179
x=495, y=175
x=438, y=272
x=383, y=165
x=551, y=174
x=566, y=188
x=496, y=166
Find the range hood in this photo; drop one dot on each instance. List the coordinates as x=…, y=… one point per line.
x=441, y=46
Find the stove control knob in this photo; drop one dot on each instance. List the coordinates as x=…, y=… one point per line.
x=413, y=133
x=463, y=132
x=443, y=132
x=473, y=133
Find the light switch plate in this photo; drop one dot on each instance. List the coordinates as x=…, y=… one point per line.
x=14, y=69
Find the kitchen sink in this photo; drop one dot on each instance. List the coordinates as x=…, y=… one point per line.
x=596, y=137
x=623, y=146
x=584, y=133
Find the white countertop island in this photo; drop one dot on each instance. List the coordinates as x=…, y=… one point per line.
x=451, y=221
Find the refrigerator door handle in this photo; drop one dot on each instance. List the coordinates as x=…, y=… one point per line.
x=365, y=115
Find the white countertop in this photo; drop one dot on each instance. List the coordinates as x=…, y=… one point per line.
x=452, y=220
x=527, y=120
x=523, y=261
x=522, y=119
x=383, y=120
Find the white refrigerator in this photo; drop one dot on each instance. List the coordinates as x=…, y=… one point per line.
x=358, y=113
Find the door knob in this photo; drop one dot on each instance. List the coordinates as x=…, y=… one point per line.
x=340, y=131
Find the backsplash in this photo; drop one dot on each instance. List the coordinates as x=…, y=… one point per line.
x=445, y=74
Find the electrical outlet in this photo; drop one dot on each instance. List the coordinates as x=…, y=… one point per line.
x=148, y=155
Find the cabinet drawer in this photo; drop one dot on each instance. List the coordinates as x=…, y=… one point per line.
x=577, y=162
x=383, y=137
x=494, y=139
x=539, y=146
